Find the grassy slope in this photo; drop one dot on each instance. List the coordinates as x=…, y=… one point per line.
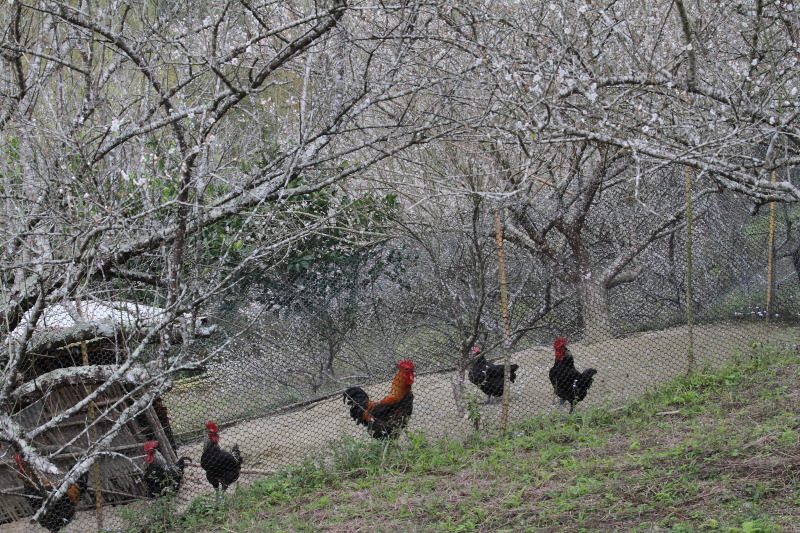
x=716, y=451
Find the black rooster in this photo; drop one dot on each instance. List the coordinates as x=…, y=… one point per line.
x=569, y=385
x=59, y=513
x=489, y=376
x=386, y=418
x=161, y=477
x=222, y=467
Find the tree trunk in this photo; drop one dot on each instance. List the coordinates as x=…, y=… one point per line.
x=457, y=381
x=594, y=309
x=592, y=293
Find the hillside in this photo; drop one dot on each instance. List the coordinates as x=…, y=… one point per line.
x=628, y=367
x=715, y=451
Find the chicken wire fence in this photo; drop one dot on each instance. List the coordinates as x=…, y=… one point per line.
x=302, y=365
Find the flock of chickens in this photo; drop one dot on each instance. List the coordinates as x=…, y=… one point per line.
x=389, y=416
x=222, y=468
x=383, y=419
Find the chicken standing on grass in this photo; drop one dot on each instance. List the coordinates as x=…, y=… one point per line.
x=60, y=512
x=161, y=477
x=569, y=385
x=386, y=418
x=489, y=376
x=222, y=467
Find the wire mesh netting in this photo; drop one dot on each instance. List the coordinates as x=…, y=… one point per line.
x=400, y=339
x=246, y=239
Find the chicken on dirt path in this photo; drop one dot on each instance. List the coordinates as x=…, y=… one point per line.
x=222, y=467
x=489, y=376
x=161, y=477
x=569, y=385
x=387, y=418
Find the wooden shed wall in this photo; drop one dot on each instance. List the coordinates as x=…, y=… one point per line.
x=121, y=476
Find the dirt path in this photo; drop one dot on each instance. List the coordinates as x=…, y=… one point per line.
x=626, y=369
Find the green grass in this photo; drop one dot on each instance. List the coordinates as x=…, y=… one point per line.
x=714, y=451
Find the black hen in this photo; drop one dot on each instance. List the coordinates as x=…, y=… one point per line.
x=489, y=376
x=569, y=385
x=59, y=513
x=161, y=477
x=222, y=467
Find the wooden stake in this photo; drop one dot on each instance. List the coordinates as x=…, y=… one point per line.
x=501, y=264
x=689, y=288
x=771, y=253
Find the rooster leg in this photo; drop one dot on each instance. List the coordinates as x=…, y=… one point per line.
x=561, y=402
x=385, y=449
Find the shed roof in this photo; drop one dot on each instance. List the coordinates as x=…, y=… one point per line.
x=71, y=321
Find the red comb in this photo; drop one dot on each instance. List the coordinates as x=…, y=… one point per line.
x=559, y=343
x=475, y=350
x=212, y=426
x=150, y=445
x=405, y=364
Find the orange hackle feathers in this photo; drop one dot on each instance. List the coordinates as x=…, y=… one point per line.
x=401, y=385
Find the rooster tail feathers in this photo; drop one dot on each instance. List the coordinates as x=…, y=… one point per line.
x=356, y=396
x=358, y=400
x=583, y=383
x=588, y=377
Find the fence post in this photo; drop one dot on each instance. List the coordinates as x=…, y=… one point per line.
x=501, y=264
x=689, y=288
x=771, y=254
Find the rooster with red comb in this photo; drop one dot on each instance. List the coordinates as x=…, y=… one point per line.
x=222, y=467
x=161, y=477
x=569, y=385
x=386, y=418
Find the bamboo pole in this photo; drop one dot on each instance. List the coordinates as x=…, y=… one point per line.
x=689, y=287
x=771, y=253
x=501, y=263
